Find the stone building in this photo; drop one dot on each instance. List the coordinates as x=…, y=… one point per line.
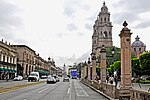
x=25, y=60
x=53, y=69
x=102, y=31
x=8, y=61
x=42, y=66
x=138, y=47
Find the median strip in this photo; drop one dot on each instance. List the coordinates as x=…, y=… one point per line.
x=18, y=86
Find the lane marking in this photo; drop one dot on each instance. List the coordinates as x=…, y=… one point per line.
x=79, y=90
x=42, y=90
x=68, y=90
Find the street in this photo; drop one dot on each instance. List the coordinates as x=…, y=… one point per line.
x=73, y=90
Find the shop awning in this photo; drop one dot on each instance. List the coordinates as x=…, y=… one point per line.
x=1, y=69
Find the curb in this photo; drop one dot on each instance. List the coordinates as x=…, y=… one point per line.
x=19, y=86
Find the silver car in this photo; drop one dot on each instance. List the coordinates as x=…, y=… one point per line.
x=51, y=79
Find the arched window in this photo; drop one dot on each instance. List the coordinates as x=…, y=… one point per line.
x=108, y=19
x=94, y=41
x=105, y=34
x=105, y=19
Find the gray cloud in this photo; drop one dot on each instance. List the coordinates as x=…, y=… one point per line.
x=71, y=6
x=9, y=20
x=88, y=26
x=144, y=24
x=80, y=34
x=121, y=17
x=84, y=57
x=72, y=27
x=68, y=11
x=93, y=17
x=134, y=6
x=131, y=11
x=71, y=60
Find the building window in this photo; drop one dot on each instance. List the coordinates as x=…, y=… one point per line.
x=134, y=49
x=105, y=19
x=101, y=19
x=13, y=60
x=3, y=58
x=108, y=19
x=10, y=60
x=139, y=49
x=7, y=59
x=95, y=42
x=0, y=57
x=105, y=34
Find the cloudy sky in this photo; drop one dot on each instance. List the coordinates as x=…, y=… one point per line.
x=62, y=29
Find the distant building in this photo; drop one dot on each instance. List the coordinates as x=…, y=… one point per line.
x=25, y=60
x=138, y=47
x=8, y=61
x=102, y=31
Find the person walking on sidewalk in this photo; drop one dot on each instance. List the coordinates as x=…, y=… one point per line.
x=115, y=80
x=111, y=79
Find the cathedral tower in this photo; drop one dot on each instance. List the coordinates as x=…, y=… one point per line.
x=102, y=31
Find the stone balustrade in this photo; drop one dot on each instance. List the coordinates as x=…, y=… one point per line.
x=139, y=95
x=113, y=92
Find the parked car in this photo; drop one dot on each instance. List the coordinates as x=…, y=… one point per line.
x=18, y=78
x=44, y=77
x=51, y=79
x=57, y=78
x=34, y=76
x=66, y=79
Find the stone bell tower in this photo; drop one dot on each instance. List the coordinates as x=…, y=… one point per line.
x=102, y=31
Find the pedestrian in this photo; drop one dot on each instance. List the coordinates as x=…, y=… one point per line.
x=115, y=80
x=111, y=79
x=107, y=78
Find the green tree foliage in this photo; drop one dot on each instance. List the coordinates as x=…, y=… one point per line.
x=116, y=57
x=136, y=67
x=98, y=69
x=117, y=65
x=145, y=62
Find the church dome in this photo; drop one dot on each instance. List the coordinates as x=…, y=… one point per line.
x=138, y=43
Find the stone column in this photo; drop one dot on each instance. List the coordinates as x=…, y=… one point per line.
x=126, y=71
x=89, y=69
x=82, y=72
x=93, y=66
x=103, y=64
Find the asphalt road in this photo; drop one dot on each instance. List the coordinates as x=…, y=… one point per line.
x=73, y=90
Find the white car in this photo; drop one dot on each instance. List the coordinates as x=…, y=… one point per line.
x=51, y=79
x=66, y=79
x=18, y=78
x=34, y=76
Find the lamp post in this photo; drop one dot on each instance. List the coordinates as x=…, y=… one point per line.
x=89, y=69
x=93, y=66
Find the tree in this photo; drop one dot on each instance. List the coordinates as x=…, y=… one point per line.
x=145, y=62
x=136, y=67
x=117, y=65
x=98, y=69
x=115, y=57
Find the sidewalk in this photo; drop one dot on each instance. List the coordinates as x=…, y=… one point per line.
x=138, y=86
x=4, y=81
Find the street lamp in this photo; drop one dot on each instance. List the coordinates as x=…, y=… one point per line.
x=112, y=52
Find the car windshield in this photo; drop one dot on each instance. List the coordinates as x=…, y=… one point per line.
x=32, y=74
